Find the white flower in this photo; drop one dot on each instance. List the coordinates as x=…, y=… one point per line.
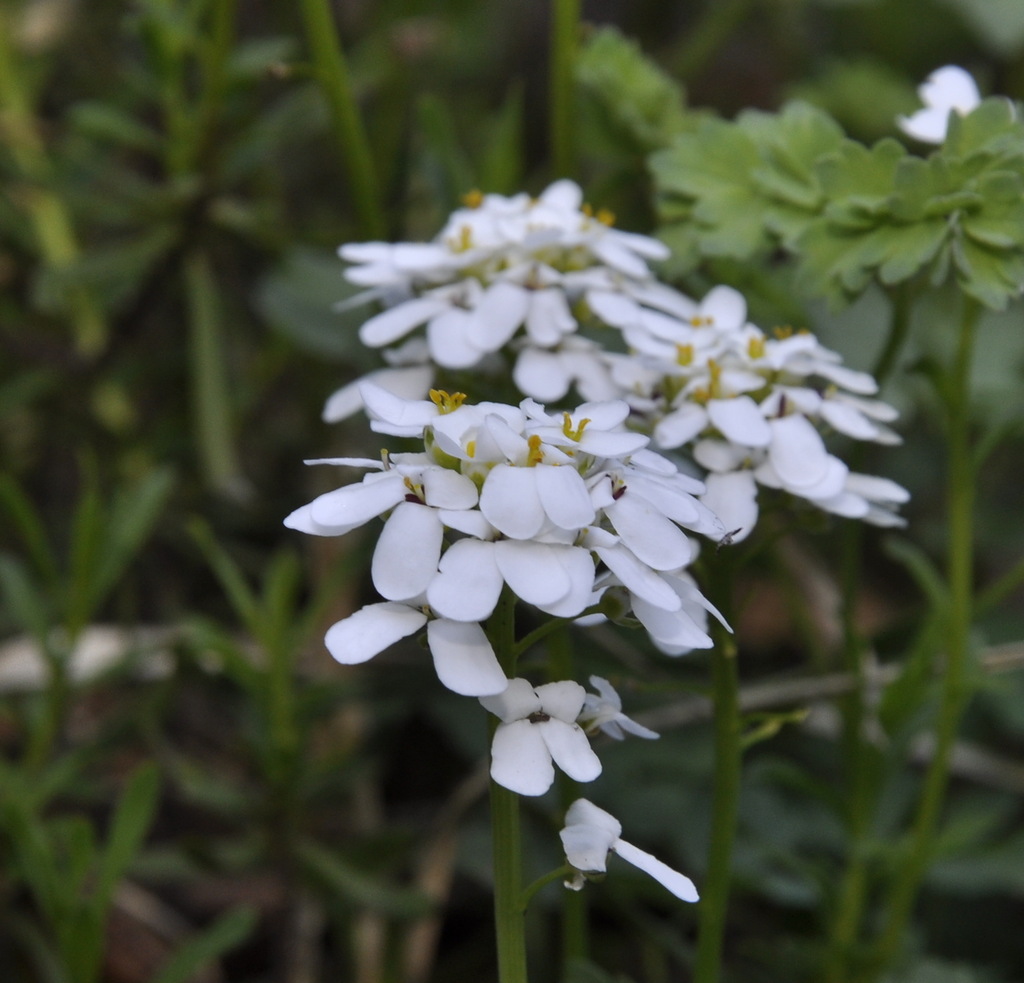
x=752, y=410
x=590, y=833
x=538, y=726
x=604, y=712
x=947, y=90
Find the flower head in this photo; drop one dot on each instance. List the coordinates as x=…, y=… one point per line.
x=604, y=712
x=753, y=410
x=514, y=275
x=556, y=508
x=590, y=834
x=947, y=90
x=538, y=726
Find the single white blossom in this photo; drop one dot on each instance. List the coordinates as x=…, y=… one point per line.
x=590, y=834
x=947, y=90
x=538, y=726
x=604, y=712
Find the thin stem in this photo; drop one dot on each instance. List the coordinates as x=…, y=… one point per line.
x=955, y=690
x=509, y=907
x=853, y=889
x=565, y=17
x=211, y=406
x=332, y=73
x=725, y=803
x=552, y=875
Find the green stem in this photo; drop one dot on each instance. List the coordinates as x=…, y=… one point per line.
x=509, y=906
x=955, y=690
x=332, y=73
x=51, y=220
x=211, y=406
x=859, y=756
x=565, y=17
x=725, y=803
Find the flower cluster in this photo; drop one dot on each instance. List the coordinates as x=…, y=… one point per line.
x=558, y=509
x=505, y=274
x=751, y=409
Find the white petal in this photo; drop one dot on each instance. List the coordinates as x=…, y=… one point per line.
x=549, y=317
x=563, y=496
x=570, y=749
x=541, y=374
x=371, y=630
x=344, y=509
x=682, y=887
x=407, y=552
x=655, y=540
x=501, y=310
x=680, y=426
x=450, y=337
x=675, y=630
x=520, y=760
x=848, y=420
x=740, y=421
x=411, y=382
x=579, y=566
x=516, y=702
x=733, y=498
x=383, y=405
x=797, y=452
x=638, y=578
x=583, y=812
x=562, y=700
x=447, y=489
x=726, y=307
x=531, y=571
x=586, y=847
x=510, y=502
x=468, y=583
x=392, y=324
x=464, y=659
x=613, y=308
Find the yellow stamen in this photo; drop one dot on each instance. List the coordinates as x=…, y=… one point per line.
x=587, y=209
x=567, y=429
x=755, y=347
x=445, y=402
x=606, y=216
x=684, y=354
x=536, y=455
x=471, y=448
x=783, y=331
x=473, y=199
x=701, y=321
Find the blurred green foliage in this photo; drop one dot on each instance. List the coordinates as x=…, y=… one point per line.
x=171, y=194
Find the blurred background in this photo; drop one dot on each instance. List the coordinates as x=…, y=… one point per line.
x=190, y=788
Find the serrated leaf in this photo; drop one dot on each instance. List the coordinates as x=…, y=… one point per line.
x=990, y=276
x=993, y=128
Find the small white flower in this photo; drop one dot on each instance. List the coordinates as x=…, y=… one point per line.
x=590, y=833
x=604, y=712
x=947, y=90
x=538, y=726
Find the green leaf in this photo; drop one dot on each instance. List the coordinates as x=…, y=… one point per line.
x=500, y=162
x=448, y=170
x=226, y=933
x=131, y=821
x=642, y=100
x=26, y=603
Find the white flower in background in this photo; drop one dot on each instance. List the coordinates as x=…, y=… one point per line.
x=514, y=275
x=590, y=834
x=752, y=410
x=947, y=90
x=512, y=497
x=604, y=712
x=538, y=726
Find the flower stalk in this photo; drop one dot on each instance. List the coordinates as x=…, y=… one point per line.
x=725, y=803
x=509, y=897
x=955, y=690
